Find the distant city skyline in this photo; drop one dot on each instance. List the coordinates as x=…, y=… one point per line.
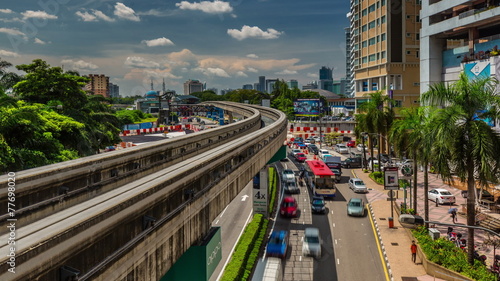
x=221, y=44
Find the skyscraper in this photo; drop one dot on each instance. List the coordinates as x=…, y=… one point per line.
x=349, y=68
x=192, y=86
x=326, y=78
x=262, y=84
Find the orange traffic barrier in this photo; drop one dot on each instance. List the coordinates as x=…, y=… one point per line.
x=306, y=151
x=315, y=157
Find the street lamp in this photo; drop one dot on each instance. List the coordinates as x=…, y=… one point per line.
x=166, y=96
x=365, y=164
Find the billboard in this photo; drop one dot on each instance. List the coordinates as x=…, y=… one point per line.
x=307, y=107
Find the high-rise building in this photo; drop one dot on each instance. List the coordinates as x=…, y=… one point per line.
x=98, y=85
x=292, y=84
x=262, y=84
x=458, y=36
x=326, y=78
x=385, y=38
x=114, y=90
x=270, y=85
x=349, y=67
x=192, y=86
x=247, y=87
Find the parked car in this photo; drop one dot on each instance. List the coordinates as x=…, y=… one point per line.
x=323, y=151
x=359, y=147
x=291, y=187
x=300, y=157
x=341, y=148
x=374, y=163
x=278, y=244
x=318, y=205
x=310, y=140
x=351, y=144
x=352, y=163
x=406, y=162
x=355, y=154
x=486, y=195
x=313, y=149
x=288, y=207
x=287, y=175
x=301, y=145
x=337, y=173
x=324, y=156
x=312, y=243
x=441, y=196
x=384, y=158
x=356, y=207
x=357, y=185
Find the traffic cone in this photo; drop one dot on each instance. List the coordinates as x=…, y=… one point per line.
x=306, y=151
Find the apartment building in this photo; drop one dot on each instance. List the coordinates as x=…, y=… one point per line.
x=384, y=49
x=98, y=85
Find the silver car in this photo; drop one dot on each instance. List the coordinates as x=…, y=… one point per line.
x=357, y=185
x=312, y=243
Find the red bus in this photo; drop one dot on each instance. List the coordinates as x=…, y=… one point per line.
x=319, y=178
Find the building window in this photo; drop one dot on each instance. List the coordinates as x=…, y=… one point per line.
x=371, y=25
x=382, y=19
x=382, y=2
x=417, y=54
x=364, y=28
x=364, y=60
x=371, y=8
x=365, y=86
x=408, y=52
x=378, y=38
x=408, y=16
x=382, y=55
x=417, y=36
x=374, y=86
x=398, y=103
x=371, y=41
x=417, y=18
x=378, y=22
x=363, y=44
x=382, y=37
x=364, y=12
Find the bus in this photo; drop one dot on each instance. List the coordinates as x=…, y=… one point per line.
x=319, y=178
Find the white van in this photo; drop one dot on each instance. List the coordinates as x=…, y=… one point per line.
x=323, y=152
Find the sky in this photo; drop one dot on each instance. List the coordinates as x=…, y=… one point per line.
x=224, y=44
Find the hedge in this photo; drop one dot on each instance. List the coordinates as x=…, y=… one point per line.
x=247, y=250
x=272, y=188
x=448, y=255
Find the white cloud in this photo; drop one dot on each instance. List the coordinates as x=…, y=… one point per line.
x=6, y=11
x=86, y=16
x=160, y=74
x=252, y=56
x=79, y=65
x=4, y=53
x=125, y=12
x=93, y=15
x=313, y=75
x=39, y=41
x=141, y=62
x=213, y=71
x=253, y=32
x=215, y=7
x=286, y=72
x=11, y=31
x=102, y=16
x=152, y=12
x=38, y=14
x=241, y=74
x=158, y=42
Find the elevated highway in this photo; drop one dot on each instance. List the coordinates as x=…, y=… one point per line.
x=135, y=227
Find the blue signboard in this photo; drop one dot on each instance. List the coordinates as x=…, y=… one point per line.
x=307, y=107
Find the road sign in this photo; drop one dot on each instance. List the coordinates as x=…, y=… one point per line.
x=391, y=180
x=407, y=170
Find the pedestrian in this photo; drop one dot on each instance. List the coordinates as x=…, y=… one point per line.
x=413, y=249
x=454, y=215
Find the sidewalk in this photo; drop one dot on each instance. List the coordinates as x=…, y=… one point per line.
x=397, y=242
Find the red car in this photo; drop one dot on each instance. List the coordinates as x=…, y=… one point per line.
x=351, y=144
x=301, y=157
x=288, y=207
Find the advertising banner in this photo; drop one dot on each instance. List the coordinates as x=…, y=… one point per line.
x=260, y=192
x=391, y=180
x=307, y=107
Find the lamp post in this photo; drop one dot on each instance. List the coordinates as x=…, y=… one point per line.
x=166, y=95
x=365, y=164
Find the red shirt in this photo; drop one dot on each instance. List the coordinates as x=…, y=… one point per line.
x=413, y=248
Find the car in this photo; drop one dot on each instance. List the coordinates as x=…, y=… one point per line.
x=374, y=163
x=277, y=245
x=310, y=140
x=313, y=149
x=301, y=145
x=323, y=151
x=337, y=174
x=351, y=144
x=287, y=175
x=486, y=195
x=295, y=151
x=356, y=207
x=324, y=156
x=312, y=242
x=318, y=205
x=441, y=196
x=405, y=162
x=360, y=146
x=288, y=207
x=352, y=163
x=384, y=158
x=341, y=148
x=291, y=187
x=357, y=185
x=300, y=157
x=355, y=154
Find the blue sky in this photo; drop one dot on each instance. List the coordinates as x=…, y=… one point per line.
x=223, y=43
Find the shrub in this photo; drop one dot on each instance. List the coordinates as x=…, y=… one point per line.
x=378, y=177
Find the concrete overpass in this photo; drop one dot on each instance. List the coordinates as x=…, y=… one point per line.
x=138, y=226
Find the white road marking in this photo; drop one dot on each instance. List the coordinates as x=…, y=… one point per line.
x=221, y=214
x=338, y=261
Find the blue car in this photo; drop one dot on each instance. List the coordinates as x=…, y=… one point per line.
x=278, y=244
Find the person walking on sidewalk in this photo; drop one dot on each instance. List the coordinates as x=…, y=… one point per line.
x=454, y=215
x=413, y=249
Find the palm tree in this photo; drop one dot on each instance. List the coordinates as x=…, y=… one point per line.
x=378, y=119
x=464, y=143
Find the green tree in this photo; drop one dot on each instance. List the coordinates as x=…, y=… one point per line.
x=208, y=96
x=465, y=144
